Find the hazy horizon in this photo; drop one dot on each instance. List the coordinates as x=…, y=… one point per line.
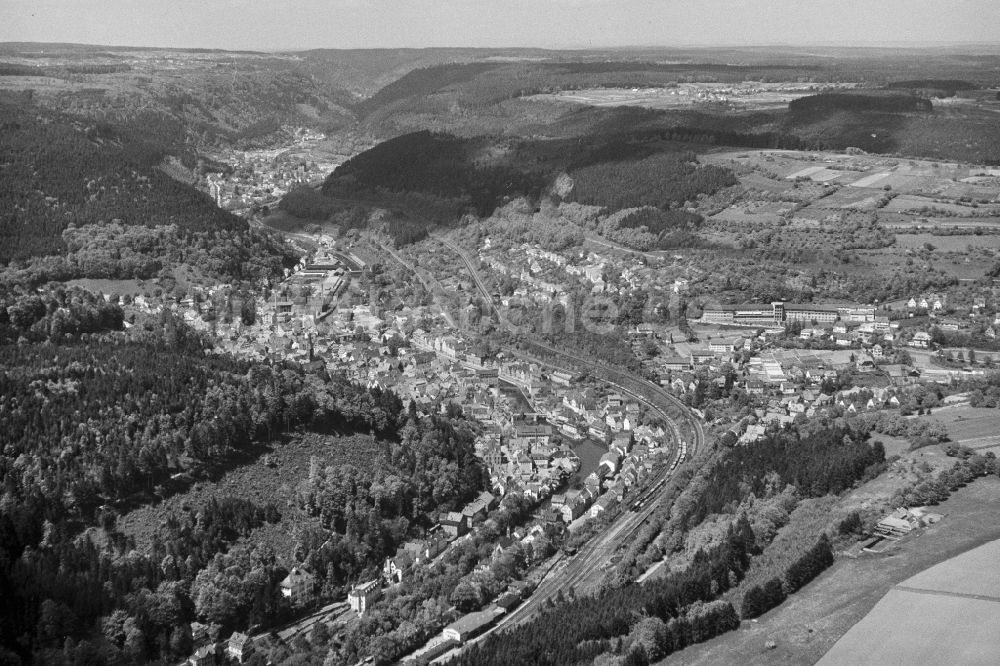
x=546, y=24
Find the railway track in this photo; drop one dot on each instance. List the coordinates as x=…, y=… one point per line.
x=638, y=388
x=585, y=565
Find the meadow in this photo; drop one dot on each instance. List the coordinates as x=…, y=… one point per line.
x=955, y=243
x=915, y=622
x=810, y=622
x=975, y=427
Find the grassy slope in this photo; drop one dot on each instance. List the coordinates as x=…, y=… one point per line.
x=811, y=621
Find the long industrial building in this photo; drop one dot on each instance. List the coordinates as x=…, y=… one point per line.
x=778, y=312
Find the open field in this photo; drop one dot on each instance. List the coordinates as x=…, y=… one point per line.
x=958, y=243
x=908, y=203
x=975, y=573
x=909, y=627
x=960, y=265
x=808, y=624
x=850, y=198
x=919, y=178
x=811, y=196
x=894, y=446
x=915, y=622
x=121, y=287
x=753, y=212
x=929, y=222
x=749, y=95
x=975, y=427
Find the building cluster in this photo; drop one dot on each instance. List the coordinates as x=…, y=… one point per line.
x=903, y=521
x=544, y=276
x=262, y=177
x=525, y=460
x=299, y=587
x=530, y=415
x=468, y=627
x=779, y=313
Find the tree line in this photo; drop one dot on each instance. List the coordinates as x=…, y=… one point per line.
x=583, y=628
x=859, y=102
x=760, y=598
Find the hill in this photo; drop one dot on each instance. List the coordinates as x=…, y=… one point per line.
x=216, y=97
x=66, y=181
x=432, y=179
x=113, y=420
x=892, y=99
x=859, y=102
x=211, y=99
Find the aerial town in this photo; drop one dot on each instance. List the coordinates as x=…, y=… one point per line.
x=256, y=179
x=577, y=447
x=324, y=344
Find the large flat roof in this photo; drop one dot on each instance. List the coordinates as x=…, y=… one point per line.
x=473, y=621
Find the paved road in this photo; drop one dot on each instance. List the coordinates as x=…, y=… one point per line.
x=585, y=566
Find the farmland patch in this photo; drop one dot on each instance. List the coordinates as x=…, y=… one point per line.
x=925, y=205
x=957, y=243
x=975, y=427
x=914, y=622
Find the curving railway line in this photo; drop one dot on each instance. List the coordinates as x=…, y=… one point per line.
x=586, y=564
x=667, y=404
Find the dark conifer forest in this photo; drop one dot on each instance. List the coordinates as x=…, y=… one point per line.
x=98, y=420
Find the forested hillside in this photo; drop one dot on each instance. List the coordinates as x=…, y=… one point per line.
x=660, y=181
x=480, y=85
x=127, y=417
x=653, y=620
x=56, y=315
x=428, y=179
x=649, y=228
x=151, y=409
x=89, y=193
x=217, y=97
x=438, y=165
x=934, y=87
x=423, y=81
x=885, y=102
x=436, y=178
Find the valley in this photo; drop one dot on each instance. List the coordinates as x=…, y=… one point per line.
x=489, y=355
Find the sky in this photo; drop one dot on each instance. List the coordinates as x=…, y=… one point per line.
x=304, y=24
